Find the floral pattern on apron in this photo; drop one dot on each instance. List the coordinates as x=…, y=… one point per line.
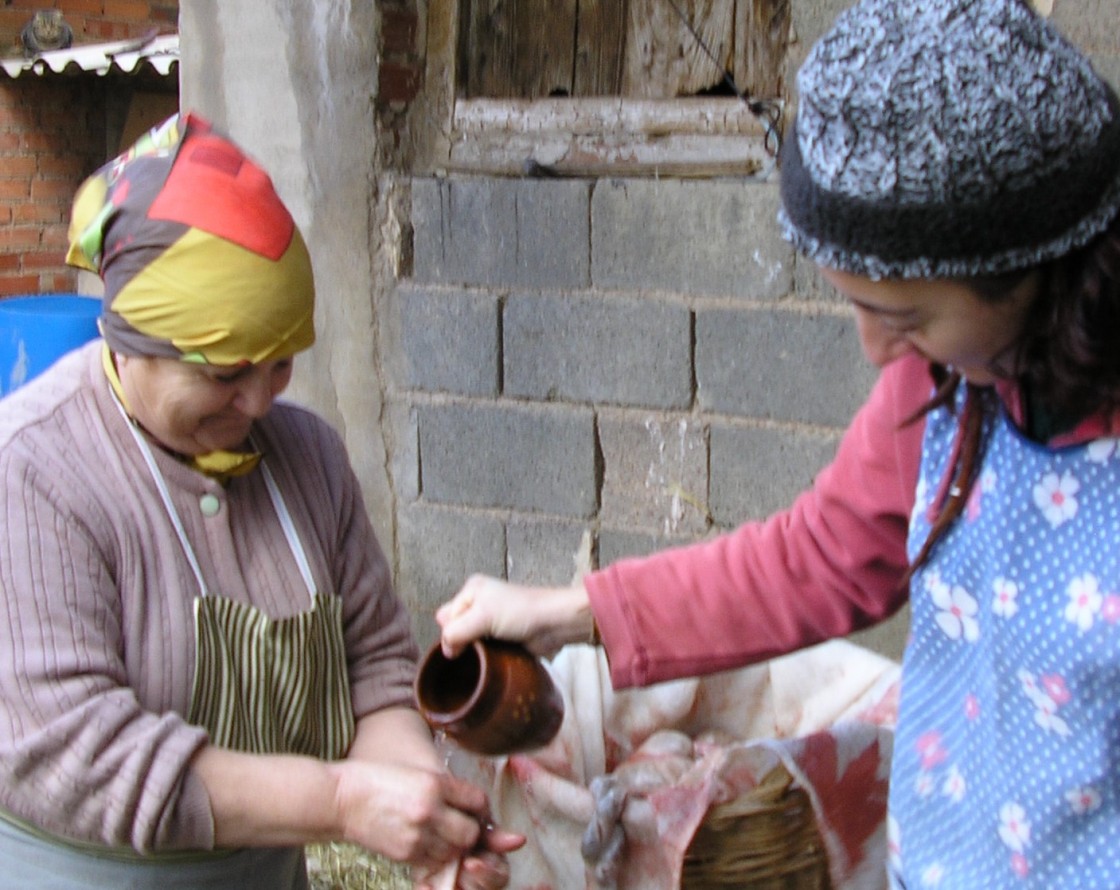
x=1004, y=771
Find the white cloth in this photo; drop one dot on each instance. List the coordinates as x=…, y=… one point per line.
x=677, y=748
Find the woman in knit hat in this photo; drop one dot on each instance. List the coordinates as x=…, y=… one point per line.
x=204, y=666
x=954, y=171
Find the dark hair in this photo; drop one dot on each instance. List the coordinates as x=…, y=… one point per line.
x=1068, y=358
x=1070, y=354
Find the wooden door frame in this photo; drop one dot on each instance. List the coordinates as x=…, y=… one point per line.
x=695, y=136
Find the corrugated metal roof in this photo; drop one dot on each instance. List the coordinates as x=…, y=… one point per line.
x=160, y=54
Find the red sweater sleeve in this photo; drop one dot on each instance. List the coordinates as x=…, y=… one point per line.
x=829, y=565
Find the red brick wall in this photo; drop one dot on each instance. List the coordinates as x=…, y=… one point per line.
x=401, y=67
x=92, y=20
x=53, y=133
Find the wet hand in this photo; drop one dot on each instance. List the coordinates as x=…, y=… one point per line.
x=425, y=818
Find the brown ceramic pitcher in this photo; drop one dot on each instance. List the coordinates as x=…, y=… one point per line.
x=494, y=698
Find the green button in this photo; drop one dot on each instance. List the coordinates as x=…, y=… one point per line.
x=209, y=505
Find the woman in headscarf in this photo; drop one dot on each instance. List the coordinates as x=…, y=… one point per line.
x=203, y=665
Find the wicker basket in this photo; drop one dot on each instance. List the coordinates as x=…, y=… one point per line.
x=766, y=839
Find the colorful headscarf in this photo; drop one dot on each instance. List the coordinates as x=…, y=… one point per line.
x=200, y=258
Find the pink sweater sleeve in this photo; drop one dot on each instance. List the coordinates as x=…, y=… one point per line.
x=829, y=565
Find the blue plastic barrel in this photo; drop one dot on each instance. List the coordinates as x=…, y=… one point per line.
x=38, y=329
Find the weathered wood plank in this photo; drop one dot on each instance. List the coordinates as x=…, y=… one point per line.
x=665, y=58
x=600, y=47
x=517, y=48
x=545, y=52
x=762, y=31
x=609, y=137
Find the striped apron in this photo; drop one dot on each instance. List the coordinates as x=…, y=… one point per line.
x=260, y=686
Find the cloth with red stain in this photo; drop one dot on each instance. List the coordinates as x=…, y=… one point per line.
x=655, y=760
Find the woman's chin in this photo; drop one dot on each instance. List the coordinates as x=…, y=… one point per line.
x=233, y=441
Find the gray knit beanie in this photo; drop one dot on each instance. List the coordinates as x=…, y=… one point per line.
x=947, y=138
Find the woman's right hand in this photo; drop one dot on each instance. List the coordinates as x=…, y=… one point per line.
x=543, y=618
x=427, y=819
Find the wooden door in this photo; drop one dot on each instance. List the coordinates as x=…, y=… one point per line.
x=644, y=49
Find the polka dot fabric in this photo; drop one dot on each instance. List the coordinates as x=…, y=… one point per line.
x=1004, y=771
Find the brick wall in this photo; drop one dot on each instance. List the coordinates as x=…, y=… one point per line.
x=53, y=133
x=399, y=73
x=92, y=20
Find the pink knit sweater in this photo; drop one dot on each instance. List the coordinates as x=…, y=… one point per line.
x=97, y=641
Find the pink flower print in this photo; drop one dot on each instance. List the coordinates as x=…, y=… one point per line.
x=986, y=484
x=957, y=617
x=1083, y=799
x=1019, y=865
x=931, y=752
x=1005, y=602
x=1101, y=450
x=1054, y=685
x=933, y=582
x=954, y=785
x=971, y=708
x=933, y=875
x=972, y=508
x=1047, y=697
x=1056, y=497
x=1085, y=602
x=1014, y=828
x=1110, y=608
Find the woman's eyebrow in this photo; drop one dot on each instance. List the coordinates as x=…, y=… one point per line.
x=883, y=310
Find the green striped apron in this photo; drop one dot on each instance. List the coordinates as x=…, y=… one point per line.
x=261, y=685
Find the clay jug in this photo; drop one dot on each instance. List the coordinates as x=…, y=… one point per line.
x=494, y=698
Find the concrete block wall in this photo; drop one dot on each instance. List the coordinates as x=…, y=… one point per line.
x=588, y=369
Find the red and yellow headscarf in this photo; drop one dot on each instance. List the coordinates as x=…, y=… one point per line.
x=200, y=258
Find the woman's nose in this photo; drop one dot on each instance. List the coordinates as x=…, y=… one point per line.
x=880, y=344
x=255, y=394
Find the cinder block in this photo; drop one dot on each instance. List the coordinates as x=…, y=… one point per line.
x=439, y=550
x=808, y=285
x=501, y=232
x=1093, y=26
x=621, y=543
x=448, y=340
x=547, y=551
x=758, y=471
x=539, y=459
x=780, y=365
x=619, y=351
x=402, y=431
x=655, y=474
x=705, y=237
